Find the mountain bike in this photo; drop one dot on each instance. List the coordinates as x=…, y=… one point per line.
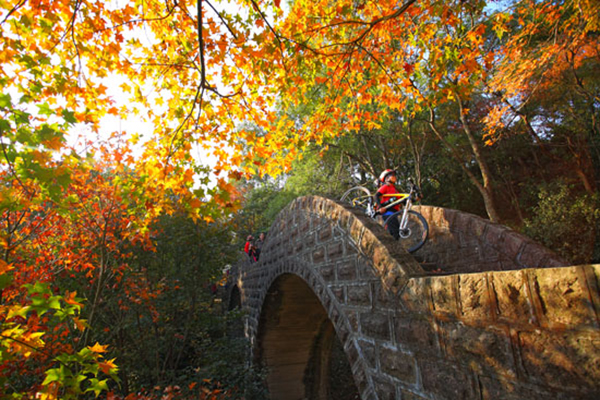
x=413, y=227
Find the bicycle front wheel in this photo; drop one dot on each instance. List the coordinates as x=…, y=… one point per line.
x=359, y=197
x=414, y=235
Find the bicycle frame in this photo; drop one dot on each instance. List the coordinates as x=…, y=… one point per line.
x=407, y=199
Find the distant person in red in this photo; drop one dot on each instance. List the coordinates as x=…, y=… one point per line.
x=250, y=249
x=387, y=182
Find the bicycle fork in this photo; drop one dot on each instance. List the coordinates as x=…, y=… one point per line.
x=404, y=231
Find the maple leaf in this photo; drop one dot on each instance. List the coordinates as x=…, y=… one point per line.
x=80, y=324
x=107, y=366
x=195, y=203
x=98, y=348
x=408, y=68
x=70, y=298
x=5, y=267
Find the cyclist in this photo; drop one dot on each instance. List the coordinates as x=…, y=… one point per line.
x=387, y=185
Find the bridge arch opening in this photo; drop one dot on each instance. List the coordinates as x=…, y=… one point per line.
x=235, y=326
x=298, y=346
x=235, y=299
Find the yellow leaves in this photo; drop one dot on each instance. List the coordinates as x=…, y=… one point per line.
x=98, y=348
x=499, y=24
x=494, y=122
x=16, y=311
x=20, y=341
x=475, y=38
x=5, y=267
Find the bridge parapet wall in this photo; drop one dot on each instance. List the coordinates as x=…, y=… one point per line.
x=529, y=333
x=463, y=242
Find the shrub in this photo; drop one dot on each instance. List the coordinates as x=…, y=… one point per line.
x=566, y=222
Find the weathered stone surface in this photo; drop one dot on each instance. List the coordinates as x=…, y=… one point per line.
x=346, y=271
x=340, y=293
x=385, y=388
x=417, y=334
x=318, y=255
x=352, y=353
x=474, y=297
x=461, y=242
x=512, y=244
x=512, y=296
x=416, y=295
x=446, y=381
x=383, y=298
x=335, y=250
x=533, y=256
x=325, y=233
x=361, y=381
x=474, y=347
x=564, y=296
x=375, y=325
x=365, y=269
x=328, y=273
x=493, y=389
x=359, y=295
x=406, y=395
x=369, y=351
x=398, y=364
x=443, y=294
x=592, y=273
x=568, y=360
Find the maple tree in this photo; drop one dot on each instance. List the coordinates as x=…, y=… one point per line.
x=197, y=85
x=548, y=59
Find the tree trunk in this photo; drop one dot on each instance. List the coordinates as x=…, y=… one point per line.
x=488, y=193
x=485, y=191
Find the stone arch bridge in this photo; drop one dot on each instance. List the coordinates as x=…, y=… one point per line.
x=336, y=309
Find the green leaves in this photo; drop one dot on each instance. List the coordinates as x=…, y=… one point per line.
x=5, y=101
x=43, y=301
x=44, y=109
x=77, y=374
x=97, y=386
x=69, y=116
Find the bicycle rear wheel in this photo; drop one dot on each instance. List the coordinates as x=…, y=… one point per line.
x=416, y=232
x=359, y=197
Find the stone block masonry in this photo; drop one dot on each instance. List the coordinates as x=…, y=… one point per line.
x=508, y=321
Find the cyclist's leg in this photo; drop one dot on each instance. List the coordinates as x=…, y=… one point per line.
x=393, y=225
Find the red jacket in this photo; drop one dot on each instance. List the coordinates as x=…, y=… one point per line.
x=388, y=188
